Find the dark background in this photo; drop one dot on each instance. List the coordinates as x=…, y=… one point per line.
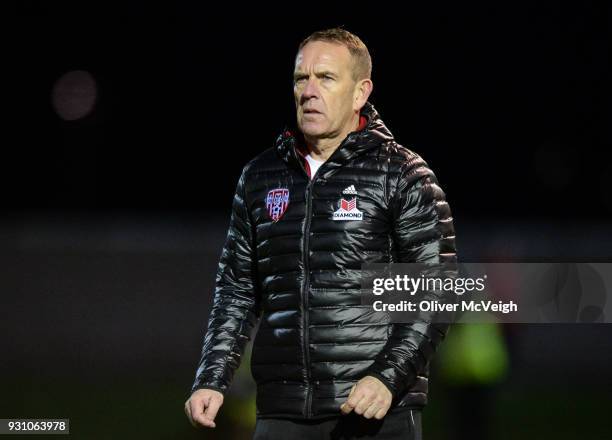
x=112, y=223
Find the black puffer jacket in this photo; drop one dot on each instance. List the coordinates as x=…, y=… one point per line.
x=292, y=258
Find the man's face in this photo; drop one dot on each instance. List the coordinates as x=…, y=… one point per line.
x=324, y=89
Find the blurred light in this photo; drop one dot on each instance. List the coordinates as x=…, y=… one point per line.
x=74, y=95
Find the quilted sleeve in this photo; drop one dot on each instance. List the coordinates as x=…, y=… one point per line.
x=423, y=232
x=236, y=308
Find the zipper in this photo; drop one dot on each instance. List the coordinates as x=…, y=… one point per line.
x=306, y=286
x=306, y=262
x=305, y=289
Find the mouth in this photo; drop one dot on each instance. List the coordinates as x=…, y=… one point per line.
x=311, y=112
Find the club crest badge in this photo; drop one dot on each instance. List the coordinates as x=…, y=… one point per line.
x=277, y=202
x=348, y=206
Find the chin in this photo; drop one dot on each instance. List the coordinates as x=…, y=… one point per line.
x=311, y=130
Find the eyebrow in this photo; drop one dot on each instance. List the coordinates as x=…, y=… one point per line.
x=299, y=75
x=326, y=72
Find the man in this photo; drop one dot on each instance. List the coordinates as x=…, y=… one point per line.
x=329, y=197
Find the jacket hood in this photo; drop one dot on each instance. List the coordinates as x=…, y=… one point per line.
x=356, y=143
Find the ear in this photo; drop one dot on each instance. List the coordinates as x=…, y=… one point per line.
x=362, y=92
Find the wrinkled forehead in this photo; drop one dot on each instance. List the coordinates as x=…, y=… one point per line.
x=322, y=55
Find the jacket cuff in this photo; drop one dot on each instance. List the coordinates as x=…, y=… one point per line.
x=205, y=386
x=396, y=381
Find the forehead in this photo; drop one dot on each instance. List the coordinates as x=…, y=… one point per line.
x=323, y=54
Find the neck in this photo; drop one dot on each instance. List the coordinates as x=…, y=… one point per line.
x=323, y=148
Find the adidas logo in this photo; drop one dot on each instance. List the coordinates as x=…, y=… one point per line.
x=349, y=190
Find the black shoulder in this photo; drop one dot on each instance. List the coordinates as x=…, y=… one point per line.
x=404, y=162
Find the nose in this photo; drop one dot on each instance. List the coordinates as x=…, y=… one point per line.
x=310, y=90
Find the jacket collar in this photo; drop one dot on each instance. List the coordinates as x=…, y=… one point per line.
x=356, y=143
